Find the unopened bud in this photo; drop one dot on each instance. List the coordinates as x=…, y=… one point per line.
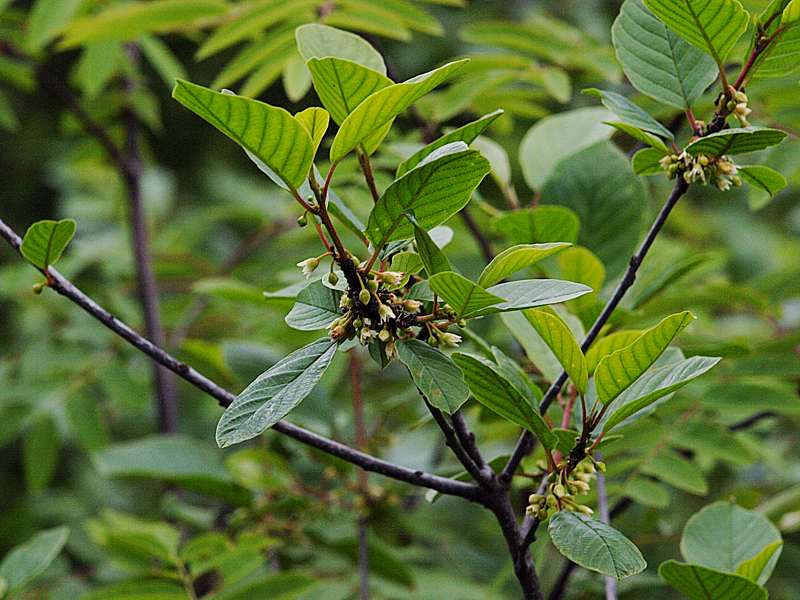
x=412, y=306
x=600, y=466
x=364, y=296
x=338, y=333
x=38, y=288
x=384, y=335
x=302, y=220
x=372, y=285
x=333, y=278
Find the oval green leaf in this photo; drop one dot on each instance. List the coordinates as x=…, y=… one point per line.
x=45, y=241
x=437, y=377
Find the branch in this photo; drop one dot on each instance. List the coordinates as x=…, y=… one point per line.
x=452, y=441
x=66, y=288
x=525, y=442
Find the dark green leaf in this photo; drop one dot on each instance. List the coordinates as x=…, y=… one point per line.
x=701, y=583
x=436, y=376
x=317, y=307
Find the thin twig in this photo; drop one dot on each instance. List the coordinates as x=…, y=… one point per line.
x=66, y=288
x=369, y=176
x=452, y=441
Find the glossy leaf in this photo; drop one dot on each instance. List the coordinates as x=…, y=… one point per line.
x=434, y=192
x=315, y=40
x=515, y=259
x=580, y=264
x=317, y=306
x=756, y=568
x=532, y=343
x=736, y=141
x=763, y=178
x=270, y=133
x=640, y=135
x=383, y=106
x=542, y=224
x=656, y=384
x=26, y=562
x=436, y=376
x=500, y=396
x=617, y=371
x=657, y=61
x=466, y=133
x=723, y=535
x=466, y=298
x=558, y=136
x=315, y=120
x=701, y=583
x=275, y=393
x=129, y=21
x=562, y=343
x=714, y=26
x=45, y=241
x=342, y=85
x=608, y=344
x=629, y=112
x=431, y=255
x=646, y=162
x=530, y=293
x=595, y=545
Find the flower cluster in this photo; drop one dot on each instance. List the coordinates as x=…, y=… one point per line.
x=737, y=106
x=707, y=170
x=562, y=490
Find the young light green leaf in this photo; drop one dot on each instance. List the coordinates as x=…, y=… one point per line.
x=26, y=562
x=434, y=192
x=541, y=224
x=646, y=162
x=383, y=106
x=736, y=141
x=499, y=395
x=763, y=178
x=779, y=58
x=270, y=133
x=315, y=40
x=533, y=344
x=580, y=264
x=129, y=21
x=515, y=259
x=617, y=371
x=47, y=19
x=431, y=255
x=263, y=59
x=315, y=120
x=437, y=377
x=754, y=568
x=723, y=535
x=608, y=344
x=466, y=133
x=342, y=85
x=275, y=393
x=656, y=384
x=701, y=583
x=657, y=61
x=317, y=306
x=45, y=241
x=555, y=137
x=714, y=26
x=640, y=135
x=595, y=545
x=562, y=343
x=629, y=112
x=296, y=78
x=466, y=297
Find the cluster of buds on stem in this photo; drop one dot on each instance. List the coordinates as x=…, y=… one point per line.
x=737, y=106
x=719, y=171
x=562, y=490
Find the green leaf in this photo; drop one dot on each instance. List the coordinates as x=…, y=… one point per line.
x=466, y=133
x=610, y=202
x=763, y=178
x=264, y=59
x=47, y=19
x=45, y=241
x=431, y=255
x=646, y=162
x=270, y=133
x=532, y=343
x=99, y=62
x=780, y=57
x=646, y=492
x=723, y=535
x=595, y=545
x=133, y=540
x=736, y=141
x=499, y=395
x=515, y=259
x=434, y=191
x=315, y=120
x=466, y=298
x=656, y=384
x=629, y=112
x=317, y=306
x=541, y=224
x=657, y=61
x=700, y=583
x=342, y=85
x=162, y=59
x=608, y=344
x=511, y=370
x=275, y=393
x=139, y=589
x=40, y=453
x=530, y=293
x=383, y=106
x=754, y=568
x=617, y=371
x=315, y=40
x=640, y=135
x=437, y=377
x=26, y=562
x=714, y=26
x=673, y=469
x=580, y=264
x=562, y=343
x=129, y=21
x=178, y=460
x=277, y=586
x=558, y=136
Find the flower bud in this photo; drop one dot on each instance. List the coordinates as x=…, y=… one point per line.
x=372, y=285
x=583, y=509
x=338, y=333
x=309, y=265
x=364, y=296
x=333, y=278
x=600, y=466
x=38, y=288
x=302, y=220
x=412, y=306
x=559, y=491
x=450, y=339
x=391, y=277
x=345, y=301
x=384, y=335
